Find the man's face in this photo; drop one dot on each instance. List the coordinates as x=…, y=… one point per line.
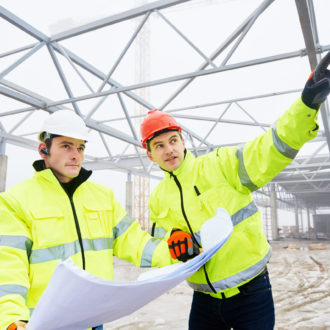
x=65, y=158
x=167, y=150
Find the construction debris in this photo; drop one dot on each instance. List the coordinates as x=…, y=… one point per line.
x=292, y=246
x=319, y=246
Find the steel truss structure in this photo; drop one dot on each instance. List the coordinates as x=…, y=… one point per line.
x=308, y=178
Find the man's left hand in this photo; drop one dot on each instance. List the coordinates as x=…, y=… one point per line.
x=19, y=325
x=182, y=246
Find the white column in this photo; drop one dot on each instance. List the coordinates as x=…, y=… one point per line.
x=273, y=212
x=297, y=218
x=129, y=195
x=308, y=223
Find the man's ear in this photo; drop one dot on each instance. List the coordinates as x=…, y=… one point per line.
x=42, y=146
x=149, y=155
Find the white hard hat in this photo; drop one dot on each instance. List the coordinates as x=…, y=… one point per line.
x=64, y=123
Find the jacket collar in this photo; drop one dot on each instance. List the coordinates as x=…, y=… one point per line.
x=47, y=173
x=184, y=168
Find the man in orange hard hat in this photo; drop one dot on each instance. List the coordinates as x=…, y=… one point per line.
x=233, y=289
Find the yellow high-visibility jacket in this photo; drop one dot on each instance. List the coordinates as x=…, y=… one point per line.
x=39, y=226
x=225, y=178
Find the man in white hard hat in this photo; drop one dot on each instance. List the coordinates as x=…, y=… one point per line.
x=58, y=214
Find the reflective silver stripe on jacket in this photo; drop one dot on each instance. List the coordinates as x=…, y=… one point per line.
x=238, y=217
x=242, y=173
x=241, y=215
x=18, y=242
x=244, y=213
x=7, y=289
x=122, y=226
x=148, y=252
x=198, y=237
x=281, y=146
x=65, y=251
x=159, y=232
x=236, y=279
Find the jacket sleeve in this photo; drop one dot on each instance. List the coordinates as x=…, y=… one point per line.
x=133, y=244
x=252, y=165
x=15, y=247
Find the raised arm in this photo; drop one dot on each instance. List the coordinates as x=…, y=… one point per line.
x=255, y=163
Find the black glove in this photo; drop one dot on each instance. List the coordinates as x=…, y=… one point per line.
x=181, y=245
x=317, y=87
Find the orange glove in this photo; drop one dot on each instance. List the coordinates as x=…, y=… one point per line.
x=181, y=245
x=19, y=325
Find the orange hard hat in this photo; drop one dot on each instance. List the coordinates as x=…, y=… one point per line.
x=154, y=122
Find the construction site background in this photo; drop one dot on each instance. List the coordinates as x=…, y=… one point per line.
x=299, y=272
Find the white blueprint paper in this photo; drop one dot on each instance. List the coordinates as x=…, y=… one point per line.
x=77, y=300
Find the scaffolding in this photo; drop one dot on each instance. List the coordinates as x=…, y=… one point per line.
x=141, y=184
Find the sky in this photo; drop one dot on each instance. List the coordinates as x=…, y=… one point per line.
x=206, y=22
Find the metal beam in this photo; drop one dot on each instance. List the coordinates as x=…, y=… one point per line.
x=190, y=43
x=114, y=19
x=308, y=166
x=90, y=123
x=21, y=60
x=19, y=141
x=302, y=180
x=22, y=25
x=17, y=50
x=309, y=30
x=103, y=165
x=183, y=77
x=199, y=106
x=97, y=73
x=22, y=98
x=227, y=121
x=63, y=78
x=25, y=91
x=221, y=48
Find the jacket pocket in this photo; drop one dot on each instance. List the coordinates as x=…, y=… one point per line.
x=223, y=196
x=210, y=201
x=98, y=220
x=49, y=227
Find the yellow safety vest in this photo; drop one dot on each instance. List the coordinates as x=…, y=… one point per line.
x=37, y=230
x=225, y=178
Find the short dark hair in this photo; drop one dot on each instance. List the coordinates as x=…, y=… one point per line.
x=48, y=143
x=165, y=130
x=49, y=139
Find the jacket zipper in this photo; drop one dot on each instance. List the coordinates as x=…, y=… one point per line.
x=191, y=231
x=78, y=232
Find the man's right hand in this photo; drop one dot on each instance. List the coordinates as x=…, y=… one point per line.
x=317, y=87
x=19, y=325
x=181, y=245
